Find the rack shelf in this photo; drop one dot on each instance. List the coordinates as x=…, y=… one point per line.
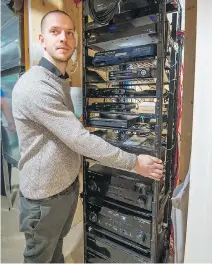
x=136, y=135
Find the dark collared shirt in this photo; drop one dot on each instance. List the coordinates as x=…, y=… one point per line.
x=52, y=68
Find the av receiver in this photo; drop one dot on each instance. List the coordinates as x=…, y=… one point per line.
x=119, y=221
x=119, y=185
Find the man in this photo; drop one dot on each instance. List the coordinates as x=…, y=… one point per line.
x=51, y=142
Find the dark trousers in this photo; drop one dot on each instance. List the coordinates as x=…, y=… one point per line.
x=45, y=223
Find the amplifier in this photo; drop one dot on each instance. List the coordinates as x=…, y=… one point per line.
x=108, y=92
x=122, y=186
x=118, y=56
x=130, y=74
x=119, y=221
x=102, y=249
x=111, y=106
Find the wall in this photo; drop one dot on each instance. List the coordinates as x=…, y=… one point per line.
x=188, y=86
x=199, y=227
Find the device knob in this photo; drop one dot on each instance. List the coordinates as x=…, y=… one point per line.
x=143, y=72
x=141, y=188
x=142, y=201
x=93, y=217
x=141, y=236
x=93, y=186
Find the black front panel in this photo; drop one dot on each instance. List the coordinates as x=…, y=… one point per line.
x=120, y=222
x=112, y=106
x=120, y=186
x=130, y=74
x=102, y=248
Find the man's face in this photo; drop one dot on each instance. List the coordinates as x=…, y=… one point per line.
x=57, y=37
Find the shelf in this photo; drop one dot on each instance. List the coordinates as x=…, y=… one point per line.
x=145, y=115
x=130, y=129
x=125, y=96
x=138, y=145
x=113, y=112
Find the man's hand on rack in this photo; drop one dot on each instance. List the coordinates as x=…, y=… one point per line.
x=149, y=166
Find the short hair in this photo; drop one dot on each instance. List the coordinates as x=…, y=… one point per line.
x=52, y=12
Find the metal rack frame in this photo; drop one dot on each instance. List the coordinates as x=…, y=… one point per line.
x=162, y=9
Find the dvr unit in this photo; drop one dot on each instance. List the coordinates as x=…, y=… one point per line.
x=112, y=106
x=115, y=121
x=109, y=92
x=131, y=74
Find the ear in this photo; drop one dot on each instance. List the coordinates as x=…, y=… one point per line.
x=42, y=42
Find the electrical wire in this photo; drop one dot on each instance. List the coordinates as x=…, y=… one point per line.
x=103, y=17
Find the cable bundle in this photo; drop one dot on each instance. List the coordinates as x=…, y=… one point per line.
x=105, y=16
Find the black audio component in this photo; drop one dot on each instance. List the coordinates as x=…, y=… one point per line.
x=130, y=74
x=107, y=106
x=118, y=56
x=115, y=121
x=119, y=221
x=119, y=185
x=104, y=249
x=135, y=144
x=110, y=92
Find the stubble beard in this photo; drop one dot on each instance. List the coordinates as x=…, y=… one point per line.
x=59, y=59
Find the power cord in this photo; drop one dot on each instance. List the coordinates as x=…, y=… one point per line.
x=105, y=16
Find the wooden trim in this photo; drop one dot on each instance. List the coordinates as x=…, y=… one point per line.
x=188, y=86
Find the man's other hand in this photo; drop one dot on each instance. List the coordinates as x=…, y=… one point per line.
x=149, y=166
